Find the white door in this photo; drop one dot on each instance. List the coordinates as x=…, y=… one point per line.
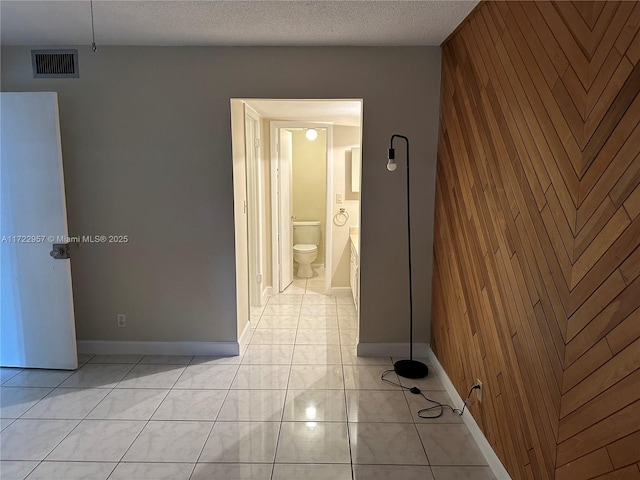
x=285, y=227
x=36, y=303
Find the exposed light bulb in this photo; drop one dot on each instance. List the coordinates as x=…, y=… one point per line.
x=311, y=134
x=391, y=164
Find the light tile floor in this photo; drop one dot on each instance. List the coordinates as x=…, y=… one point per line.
x=296, y=404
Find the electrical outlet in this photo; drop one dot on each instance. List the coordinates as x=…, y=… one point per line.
x=122, y=320
x=479, y=390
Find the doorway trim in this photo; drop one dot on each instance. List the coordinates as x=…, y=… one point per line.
x=274, y=127
x=255, y=209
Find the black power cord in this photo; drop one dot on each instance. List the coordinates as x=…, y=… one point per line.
x=441, y=406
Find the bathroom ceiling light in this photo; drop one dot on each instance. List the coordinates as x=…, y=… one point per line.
x=311, y=134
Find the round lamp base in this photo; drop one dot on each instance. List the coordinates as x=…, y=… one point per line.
x=410, y=369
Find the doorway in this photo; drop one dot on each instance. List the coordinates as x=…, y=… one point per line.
x=263, y=243
x=301, y=179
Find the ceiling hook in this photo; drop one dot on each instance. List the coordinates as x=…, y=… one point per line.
x=93, y=30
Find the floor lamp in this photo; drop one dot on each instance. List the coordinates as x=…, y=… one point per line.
x=407, y=368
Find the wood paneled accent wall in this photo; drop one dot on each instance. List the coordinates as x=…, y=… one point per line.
x=536, y=286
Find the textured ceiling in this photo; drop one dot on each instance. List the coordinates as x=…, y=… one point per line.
x=264, y=22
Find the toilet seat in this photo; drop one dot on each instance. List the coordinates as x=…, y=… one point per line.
x=305, y=248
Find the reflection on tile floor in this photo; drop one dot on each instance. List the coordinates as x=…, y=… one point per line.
x=297, y=404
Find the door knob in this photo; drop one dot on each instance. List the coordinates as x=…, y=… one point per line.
x=60, y=251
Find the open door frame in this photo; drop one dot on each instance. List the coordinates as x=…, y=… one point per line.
x=255, y=219
x=240, y=217
x=275, y=127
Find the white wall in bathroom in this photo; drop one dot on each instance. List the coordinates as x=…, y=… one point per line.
x=309, y=176
x=344, y=138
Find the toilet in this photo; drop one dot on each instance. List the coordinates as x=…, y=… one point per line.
x=306, y=238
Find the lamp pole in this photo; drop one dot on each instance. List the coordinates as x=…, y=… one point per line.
x=407, y=368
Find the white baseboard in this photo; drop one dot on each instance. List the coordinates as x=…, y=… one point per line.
x=100, y=347
x=266, y=293
x=485, y=447
x=341, y=291
x=392, y=349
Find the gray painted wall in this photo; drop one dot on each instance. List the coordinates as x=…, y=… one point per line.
x=146, y=136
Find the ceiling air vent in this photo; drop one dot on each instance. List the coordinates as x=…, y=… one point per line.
x=55, y=63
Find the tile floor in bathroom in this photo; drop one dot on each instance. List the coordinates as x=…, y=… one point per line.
x=296, y=404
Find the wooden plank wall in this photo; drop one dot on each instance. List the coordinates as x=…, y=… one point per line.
x=536, y=285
